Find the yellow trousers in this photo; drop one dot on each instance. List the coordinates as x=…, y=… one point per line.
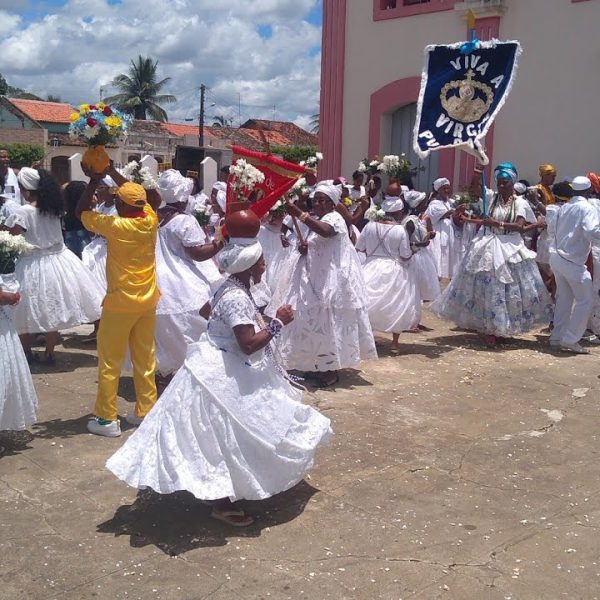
x=119, y=330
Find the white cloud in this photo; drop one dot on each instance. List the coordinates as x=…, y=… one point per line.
x=83, y=45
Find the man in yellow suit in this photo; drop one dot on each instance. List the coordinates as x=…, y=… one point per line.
x=129, y=308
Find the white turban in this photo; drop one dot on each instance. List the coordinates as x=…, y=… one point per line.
x=392, y=204
x=441, y=182
x=239, y=255
x=333, y=192
x=580, y=183
x=520, y=188
x=29, y=178
x=413, y=198
x=220, y=186
x=222, y=200
x=108, y=181
x=174, y=187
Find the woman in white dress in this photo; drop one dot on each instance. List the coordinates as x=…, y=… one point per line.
x=393, y=298
x=276, y=250
x=186, y=275
x=94, y=254
x=230, y=426
x=18, y=400
x=58, y=291
x=326, y=288
x=445, y=246
x=422, y=263
x=498, y=290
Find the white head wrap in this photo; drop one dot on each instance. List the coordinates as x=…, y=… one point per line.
x=413, y=198
x=174, y=187
x=108, y=181
x=239, y=255
x=441, y=182
x=580, y=184
x=220, y=186
x=392, y=204
x=29, y=178
x=404, y=188
x=222, y=199
x=333, y=192
x=520, y=188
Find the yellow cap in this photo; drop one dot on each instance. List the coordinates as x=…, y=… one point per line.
x=547, y=170
x=132, y=193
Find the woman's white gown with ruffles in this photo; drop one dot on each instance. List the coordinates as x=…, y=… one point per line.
x=228, y=424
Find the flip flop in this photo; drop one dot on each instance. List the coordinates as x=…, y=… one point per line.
x=235, y=518
x=394, y=351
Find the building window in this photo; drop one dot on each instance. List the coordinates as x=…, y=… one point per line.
x=393, y=9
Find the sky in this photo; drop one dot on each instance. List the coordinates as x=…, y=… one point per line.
x=258, y=58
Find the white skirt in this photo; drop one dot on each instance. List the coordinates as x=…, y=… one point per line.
x=18, y=400
x=327, y=339
x=223, y=429
x=57, y=292
x=424, y=266
x=392, y=295
x=173, y=335
x=93, y=256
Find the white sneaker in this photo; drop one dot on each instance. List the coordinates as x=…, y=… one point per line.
x=574, y=349
x=133, y=419
x=108, y=429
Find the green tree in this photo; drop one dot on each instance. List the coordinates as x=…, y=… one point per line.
x=52, y=98
x=24, y=155
x=294, y=153
x=139, y=91
x=222, y=121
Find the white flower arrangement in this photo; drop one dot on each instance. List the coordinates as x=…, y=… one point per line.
x=10, y=248
x=394, y=165
x=138, y=174
x=368, y=166
x=312, y=161
x=202, y=215
x=245, y=178
x=374, y=214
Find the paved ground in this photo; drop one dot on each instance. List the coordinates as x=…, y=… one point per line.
x=456, y=472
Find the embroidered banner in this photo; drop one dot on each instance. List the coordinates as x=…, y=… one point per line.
x=461, y=94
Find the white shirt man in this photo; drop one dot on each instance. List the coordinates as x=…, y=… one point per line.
x=572, y=232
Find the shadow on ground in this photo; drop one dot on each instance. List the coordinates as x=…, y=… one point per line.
x=65, y=362
x=13, y=442
x=177, y=523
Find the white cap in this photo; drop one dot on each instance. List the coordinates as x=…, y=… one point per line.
x=441, y=182
x=581, y=183
x=392, y=204
x=520, y=188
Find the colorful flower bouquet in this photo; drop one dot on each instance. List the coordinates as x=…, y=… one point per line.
x=138, y=174
x=98, y=125
x=10, y=248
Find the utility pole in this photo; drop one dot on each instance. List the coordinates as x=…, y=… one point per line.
x=201, y=119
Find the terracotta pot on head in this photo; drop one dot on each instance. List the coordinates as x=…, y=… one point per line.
x=243, y=224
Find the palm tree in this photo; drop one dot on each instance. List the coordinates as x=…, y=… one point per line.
x=314, y=123
x=139, y=91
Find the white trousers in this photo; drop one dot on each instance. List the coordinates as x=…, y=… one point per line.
x=574, y=300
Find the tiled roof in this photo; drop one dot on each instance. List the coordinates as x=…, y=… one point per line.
x=44, y=112
x=180, y=129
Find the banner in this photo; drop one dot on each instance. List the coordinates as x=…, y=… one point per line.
x=461, y=94
x=280, y=176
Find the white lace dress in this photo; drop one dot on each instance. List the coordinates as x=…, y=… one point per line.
x=228, y=425
x=594, y=323
x=274, y=253
x=185, y=287
x=58, y=291
x=392, y=290
x=498, y=288
x=94, y=254
x=446, y=248
x=326, y=288
x=18, y=400
x=423, y=263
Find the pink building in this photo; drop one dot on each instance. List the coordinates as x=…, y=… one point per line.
x=371, y=73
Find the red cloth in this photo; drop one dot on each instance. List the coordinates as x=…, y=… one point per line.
x=280, y=176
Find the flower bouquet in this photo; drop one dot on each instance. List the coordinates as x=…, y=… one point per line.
x=244, y=178
x=202, y=216
x=98, y=125
x=396, y=167
x=312, y=161
x=278, y=209
x=369, y=167
x=10, y=248
x=138, y=174
x=374, y=214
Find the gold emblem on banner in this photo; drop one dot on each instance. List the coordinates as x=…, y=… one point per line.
x=460, y=101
